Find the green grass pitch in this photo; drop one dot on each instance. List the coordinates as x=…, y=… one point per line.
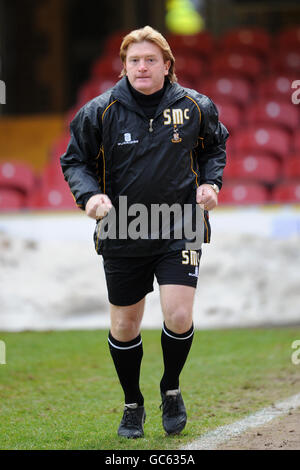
x=59, y=390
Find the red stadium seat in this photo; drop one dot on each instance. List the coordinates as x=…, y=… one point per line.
x=270, y=139
x=113, y=42
x=59, y=146
x=235, y=90
x=94, y=88
x=275, y=86
x=272, y=111
x=16, y=175
x=189, y=68
x=52, y=174
x=243, y=193
x=289, y=38
x=246, y=40
x=288, y=192
x=187, y=82
x=55, y=196
x=247, y=66
x=108, y=67
x=230, y=148
x=51, y=191
x=255, y=167
x=70, y=114
x=201, y=44
x=58, y=198
x=286, y=61
x=229, y=170
x=292, y=166
x=229, y=114
x=11, y=200
x=296, y=141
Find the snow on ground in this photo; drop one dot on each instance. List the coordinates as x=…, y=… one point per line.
x=51, y=278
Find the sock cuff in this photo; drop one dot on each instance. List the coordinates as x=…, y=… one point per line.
x=124, y=345
x=171, y=334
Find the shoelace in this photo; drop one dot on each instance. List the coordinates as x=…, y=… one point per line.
x=130, y=417
x=170, y=405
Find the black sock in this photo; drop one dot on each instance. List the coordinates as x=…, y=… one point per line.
x=127, y=357
x=175, y=349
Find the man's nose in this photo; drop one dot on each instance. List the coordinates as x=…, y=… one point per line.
x=142, y=65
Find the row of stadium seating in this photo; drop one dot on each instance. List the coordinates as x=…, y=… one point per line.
x=248, y=180
x=51, y=198
x=246, y=54
x=235, y=89
x=239, y=103
x=204, y=45
x=191, y=69
x=239, y=38
x=248, y=73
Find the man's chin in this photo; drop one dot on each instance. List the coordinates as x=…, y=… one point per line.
x=142, y=86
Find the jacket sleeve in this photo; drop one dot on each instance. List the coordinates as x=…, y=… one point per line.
x=212, y=145
x=82, y=163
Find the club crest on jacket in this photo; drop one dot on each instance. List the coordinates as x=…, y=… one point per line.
x=176, y=138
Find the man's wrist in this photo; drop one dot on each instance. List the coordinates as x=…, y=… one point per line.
x=215, y=187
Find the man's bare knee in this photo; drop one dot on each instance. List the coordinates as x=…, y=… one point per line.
x=124, y=329
x=179, y=320
x=126, y=321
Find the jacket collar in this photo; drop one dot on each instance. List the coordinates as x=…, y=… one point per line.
x=121, y=93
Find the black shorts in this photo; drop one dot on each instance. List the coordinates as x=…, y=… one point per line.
x=130, y=279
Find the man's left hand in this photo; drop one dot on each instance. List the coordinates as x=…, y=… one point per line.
x=207, y=196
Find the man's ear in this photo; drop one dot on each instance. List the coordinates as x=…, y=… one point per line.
x=167, y=66
x=124, y=68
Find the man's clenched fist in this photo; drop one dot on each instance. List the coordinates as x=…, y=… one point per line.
x=207, y=196
x=98, y=206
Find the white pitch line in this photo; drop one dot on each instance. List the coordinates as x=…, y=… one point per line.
x=222, y=434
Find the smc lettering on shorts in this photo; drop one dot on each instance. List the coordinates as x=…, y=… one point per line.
x=191, y=257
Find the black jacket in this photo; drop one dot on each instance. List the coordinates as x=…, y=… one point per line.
x=115, y=149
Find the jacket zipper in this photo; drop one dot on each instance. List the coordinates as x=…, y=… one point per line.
x=150, y=126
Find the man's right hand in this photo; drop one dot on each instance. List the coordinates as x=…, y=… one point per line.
x=98, y=206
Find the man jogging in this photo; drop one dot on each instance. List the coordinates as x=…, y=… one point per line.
x=152, y=142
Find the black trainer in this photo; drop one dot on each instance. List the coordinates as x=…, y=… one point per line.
x=173, y=411
x=132, y=424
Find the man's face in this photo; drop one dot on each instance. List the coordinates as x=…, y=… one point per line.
x=145, y=67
